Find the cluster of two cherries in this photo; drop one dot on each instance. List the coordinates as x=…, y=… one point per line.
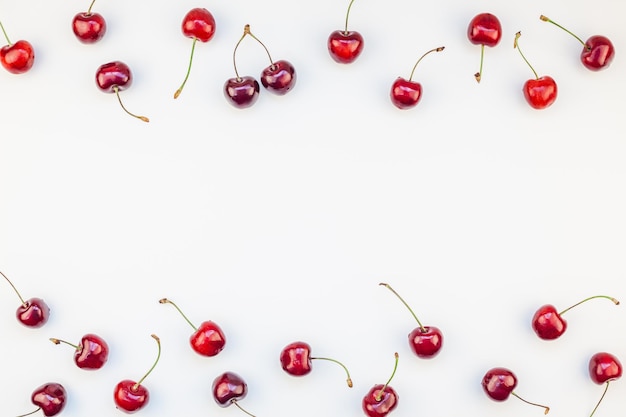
x=598, y=52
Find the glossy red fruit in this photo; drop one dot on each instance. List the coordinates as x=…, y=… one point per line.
x=345, y=45
x=241, y=92
x=604, y=368
x=199, y=25
x=92, y=352
x=598, y=51
x=424, y=341
x=539, y=92
x=114, y=77
x=549, y=324
x=18, y=57
x=381, y=399
x=50, y=398
x=33, y=312
x=89, y=27
x=499, y=383
x=279, y=77
x=484, y=29
x=131, y=396
x=208, y=339
x=229, y=388
x=406, y=93
x=295, y=359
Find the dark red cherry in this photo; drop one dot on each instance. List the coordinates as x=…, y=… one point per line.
x=345, y=45
x=242, y=92
x=484, y=29
x=604, y=368
x=279, y=77
x=295, y=359
x=381, y=399
x=92, y=352
x=33, y=312
x=89, y=27
x=114, y=77
x=498, y=383
x=50, y=398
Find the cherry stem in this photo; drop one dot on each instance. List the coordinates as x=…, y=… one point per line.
x=606, y=388
x=180, y=89
x=5, y=277
x=166, y=301
x=478, y=75
x=246, y=31
x=546, y=409
x=5, y=33
x=117, y=93
x=405, y=303
x=347, y=15
x=31, y=413
x=241, y=408
x=262, y=44
x=516, y=45
x=616, y=302
x=90, y=6
x=441, y=48
x=59, y=341
x=546, y=19
x=379, y=396
x=136, y=386
x=349, y=380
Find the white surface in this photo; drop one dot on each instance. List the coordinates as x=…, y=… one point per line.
x=279, y=221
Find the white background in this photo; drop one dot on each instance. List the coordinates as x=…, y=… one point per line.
x=279, y=221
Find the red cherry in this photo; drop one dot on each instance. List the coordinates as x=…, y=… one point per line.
x=206, y=340
x=603, y=369
x=539, y=92
x=33, y=312
x=229, y=388
x=295, y=359
x=199, y=25
x=499, y=383
x=50, y=398
x=18, y=57
x=381, y=399
x=345, y=45
x=548, y=323
x=114, y=77
x=405, y=93
x=424, y=341
x=131, y=396
x=241, y=92
x=484, y=30
x=92, y=352
x=598, y=52
x=89, y=27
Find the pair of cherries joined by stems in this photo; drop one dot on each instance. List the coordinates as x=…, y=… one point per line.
x=278, y=78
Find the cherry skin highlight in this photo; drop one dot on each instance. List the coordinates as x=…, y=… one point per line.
x=89, y=27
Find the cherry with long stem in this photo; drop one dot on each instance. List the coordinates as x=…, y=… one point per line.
x=241, y=92
x=345, y=45
x=33, y=312
x=393, y=373
x=540, y=92
x=381, y=399
x=424, y=341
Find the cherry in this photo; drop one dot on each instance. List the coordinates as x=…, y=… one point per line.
x=484, y=30
x=425, y=341
x=295, y=359
x=381, y=399
x=131, y=396
x=206, y=340
x=89, y=27
x=199, y=25
x=345, y=45
x=92, y=352
x=33, y=312
x=499, y=383
x=49, y=398
x=229, y=388
x=598, y=52
x=549, y=324
x=241, y=92
x=18, y=57
x=280, y=76
x=407, y=93
x=603, y=369
x=114, y=77
x=539, y=92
